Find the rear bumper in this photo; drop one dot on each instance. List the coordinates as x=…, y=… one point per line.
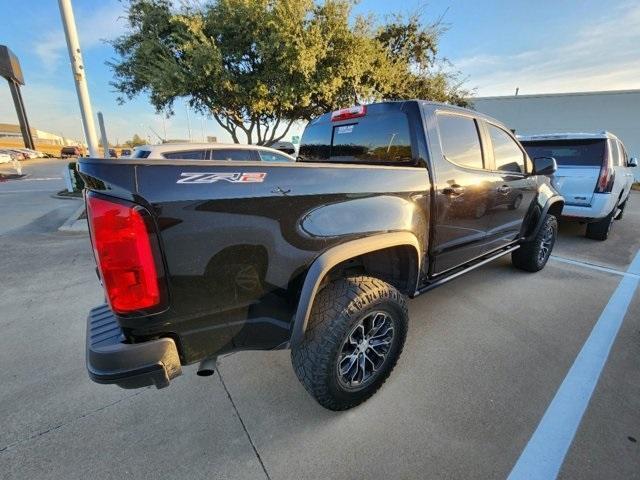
x=601, y=205
x=128, y=365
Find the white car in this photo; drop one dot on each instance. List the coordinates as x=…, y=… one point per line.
x=211, y=151
x=28, y=152
x=594, y=175
x=6, y=157
x=9, y=163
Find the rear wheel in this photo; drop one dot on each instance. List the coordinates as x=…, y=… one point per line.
x=600, y=230
x=355, y=336
x=622, y=208
x=532, y=256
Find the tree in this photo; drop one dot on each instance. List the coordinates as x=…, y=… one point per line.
x=135, y=141
x=257, y=66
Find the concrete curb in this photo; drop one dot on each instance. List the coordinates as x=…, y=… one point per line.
x=74, y=223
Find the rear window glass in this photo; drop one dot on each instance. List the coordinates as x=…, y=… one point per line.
x=588, y=152
x=141, y=153
x=369, y=139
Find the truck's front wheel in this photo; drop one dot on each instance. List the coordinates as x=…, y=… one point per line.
x=354, y=338
x=532, y=256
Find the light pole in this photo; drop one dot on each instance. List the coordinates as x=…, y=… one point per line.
x=79, y=75
x=188, y=122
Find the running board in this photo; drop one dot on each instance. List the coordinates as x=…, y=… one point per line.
x=465, y=269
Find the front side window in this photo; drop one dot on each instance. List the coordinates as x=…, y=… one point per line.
x=232, y=154
x=186, y=155
x=460, y=140
x=506, y=152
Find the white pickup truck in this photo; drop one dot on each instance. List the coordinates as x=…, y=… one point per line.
x=594, y=175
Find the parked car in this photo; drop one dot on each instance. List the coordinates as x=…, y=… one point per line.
x=211, y=151
x=10, y=155
x=31, y=153
x=318, y=256
x=286, y=147
x=17, y=153
x=28, y=154
x=70, y=151
x=125, y=152
x=9, y=163
x=595, y=175
x=6, y=157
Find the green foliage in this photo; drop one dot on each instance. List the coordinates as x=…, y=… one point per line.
x=135, y=141
x=76, y=179
x=257, y=66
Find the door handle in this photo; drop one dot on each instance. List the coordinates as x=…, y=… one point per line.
x=504, y=189
x=453, y=190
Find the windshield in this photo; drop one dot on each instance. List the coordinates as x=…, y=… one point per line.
x=569, y=152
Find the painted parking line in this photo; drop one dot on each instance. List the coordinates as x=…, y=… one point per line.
x=543, y=456
x=40, y=179
x=594, y=266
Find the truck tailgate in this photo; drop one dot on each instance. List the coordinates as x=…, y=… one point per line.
x=577, y=183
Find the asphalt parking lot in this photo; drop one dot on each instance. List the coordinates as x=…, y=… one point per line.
x=484, y=360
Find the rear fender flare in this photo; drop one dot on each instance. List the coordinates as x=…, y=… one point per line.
x=336, y=255
x=555, y=202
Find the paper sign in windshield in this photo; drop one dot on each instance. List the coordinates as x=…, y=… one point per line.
x=345, y=129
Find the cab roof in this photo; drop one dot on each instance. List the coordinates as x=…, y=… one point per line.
x=603, y=135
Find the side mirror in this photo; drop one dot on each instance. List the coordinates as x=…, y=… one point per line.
x=633, y=162
x=544, y=166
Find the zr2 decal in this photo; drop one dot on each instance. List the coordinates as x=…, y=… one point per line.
x=213, y=177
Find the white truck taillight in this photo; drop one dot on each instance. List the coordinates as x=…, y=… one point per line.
x=607, y=174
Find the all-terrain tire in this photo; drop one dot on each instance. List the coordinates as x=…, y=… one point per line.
x=337, y=310
x=532, y=256
x=623, y=207
x=600, y=230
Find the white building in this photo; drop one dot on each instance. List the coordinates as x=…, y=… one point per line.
x=10, y=131
x=617, y=111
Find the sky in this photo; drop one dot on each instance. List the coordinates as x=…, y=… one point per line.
x=497, y=45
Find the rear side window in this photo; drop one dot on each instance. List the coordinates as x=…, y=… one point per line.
x=616, y=153
x=232, y=154
x=371, y=139
x=506, y=152
x=267, y=156
x=586, y=152
x=624, y=155
x=460, y=140
x=186, y=155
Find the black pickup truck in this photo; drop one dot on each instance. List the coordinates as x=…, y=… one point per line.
x=387, y=201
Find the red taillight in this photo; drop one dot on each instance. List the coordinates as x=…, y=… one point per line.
x=606, y=177
x=347, y=113
x=124, y=254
